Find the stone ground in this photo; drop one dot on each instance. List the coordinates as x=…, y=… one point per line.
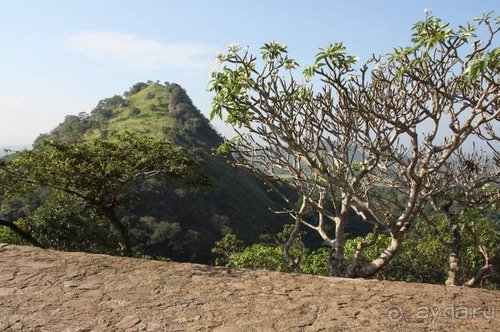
x=46, y=290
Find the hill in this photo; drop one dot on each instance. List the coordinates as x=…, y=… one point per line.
x=168, y=219
x=46, y=290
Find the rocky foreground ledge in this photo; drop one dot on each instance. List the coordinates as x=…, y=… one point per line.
x=47, y=290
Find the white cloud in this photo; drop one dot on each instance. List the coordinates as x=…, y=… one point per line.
x=137, y=53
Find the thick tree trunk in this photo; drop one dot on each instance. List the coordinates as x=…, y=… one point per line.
x=454, y=258
x=337, y=259
x=121, y=228
x=489, y=260
x=480, y=274
x=24, y=235
x=398, y=231
x=369, y=269
x=356, y=260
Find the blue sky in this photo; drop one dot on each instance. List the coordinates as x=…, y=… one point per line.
x=62, y=57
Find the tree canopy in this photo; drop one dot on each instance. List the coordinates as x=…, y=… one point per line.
x=343, y=135
x=102, y=173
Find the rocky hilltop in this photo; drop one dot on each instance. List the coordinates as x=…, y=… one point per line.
x=47, y=290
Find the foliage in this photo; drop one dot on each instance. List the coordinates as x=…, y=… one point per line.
x=99, y=170
x=13, y=207
x=422, y=258
x=366, y=130
x=66, y=223
x=137, y=87
x=102, y=173
x=317, y=262
x=259, y=256
x=225, y=247
x=135, y=111
x=9, y=236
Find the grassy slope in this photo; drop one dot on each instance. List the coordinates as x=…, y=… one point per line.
x=148, y=121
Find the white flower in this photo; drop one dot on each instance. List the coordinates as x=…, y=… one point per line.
x=378, y=66
x=234, y=47
x=427, y=11
x=212, y=73
x=219, y=57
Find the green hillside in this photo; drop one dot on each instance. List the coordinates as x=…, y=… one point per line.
x=168, y=219
x=137, y=113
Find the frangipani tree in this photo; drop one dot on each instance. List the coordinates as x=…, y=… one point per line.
x=465, y=188
x=391, y=123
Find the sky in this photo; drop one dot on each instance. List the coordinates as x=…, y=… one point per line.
x=62, y=57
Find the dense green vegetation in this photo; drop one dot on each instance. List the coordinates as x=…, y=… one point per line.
x=423, y=257
x=101, y=173
x=165, y=218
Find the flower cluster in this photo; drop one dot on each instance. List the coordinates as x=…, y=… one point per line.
x=234, y=47
x=219, y=57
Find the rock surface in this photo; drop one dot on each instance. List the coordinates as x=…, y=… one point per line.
x=46, y=290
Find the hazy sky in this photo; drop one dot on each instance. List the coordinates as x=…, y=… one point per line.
x=62, y=57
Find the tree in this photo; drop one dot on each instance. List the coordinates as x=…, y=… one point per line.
x=366, y=130
x=462, y=191
x=225, y=247
x=102, y=173
x=423, y=256
x=8, y=220
x=65, y=222
x=259, y=257
x=137, y=87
